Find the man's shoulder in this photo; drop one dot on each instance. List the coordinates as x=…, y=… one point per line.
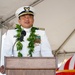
x=40, y=31
x=11, y=31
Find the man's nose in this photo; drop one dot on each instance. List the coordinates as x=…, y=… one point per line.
x=27, y=18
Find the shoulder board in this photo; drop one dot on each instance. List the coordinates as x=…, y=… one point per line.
x=39, y=28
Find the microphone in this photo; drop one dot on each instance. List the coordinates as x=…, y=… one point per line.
x=23, y=33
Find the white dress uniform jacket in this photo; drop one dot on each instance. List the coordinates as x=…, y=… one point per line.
x=41, y=49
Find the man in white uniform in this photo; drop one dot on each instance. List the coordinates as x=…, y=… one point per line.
x=25, y=40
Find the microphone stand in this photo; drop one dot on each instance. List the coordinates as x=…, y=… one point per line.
x=13, y=49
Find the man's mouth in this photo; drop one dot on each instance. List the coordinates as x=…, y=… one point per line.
x=26, y=22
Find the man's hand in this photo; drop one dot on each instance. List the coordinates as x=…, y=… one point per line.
x=2, y=70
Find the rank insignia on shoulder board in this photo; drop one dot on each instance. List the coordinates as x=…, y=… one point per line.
x=40, y=28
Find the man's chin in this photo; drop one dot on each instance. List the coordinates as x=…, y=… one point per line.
x=27, y=26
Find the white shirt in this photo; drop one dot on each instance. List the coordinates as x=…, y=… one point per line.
x=42, y=49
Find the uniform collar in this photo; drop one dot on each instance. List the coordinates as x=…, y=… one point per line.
x=27, y=29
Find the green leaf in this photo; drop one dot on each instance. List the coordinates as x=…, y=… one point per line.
x=19, y=30
x=18, y=34
x=20, y=54
x=31, y=45
x=33, y=29
x=30, y=53
x=18, y=26
x=19, y=46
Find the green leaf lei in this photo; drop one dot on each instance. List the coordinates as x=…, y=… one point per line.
x=31, y=39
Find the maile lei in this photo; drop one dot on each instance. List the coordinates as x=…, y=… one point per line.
x=19, y=40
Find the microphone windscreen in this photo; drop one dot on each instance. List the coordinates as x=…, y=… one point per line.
x=23, y=33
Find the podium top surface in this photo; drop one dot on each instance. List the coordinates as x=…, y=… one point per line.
x=30, y=63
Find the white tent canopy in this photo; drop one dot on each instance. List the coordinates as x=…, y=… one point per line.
x=56, y=16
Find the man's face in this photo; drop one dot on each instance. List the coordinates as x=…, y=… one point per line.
x=26, y=21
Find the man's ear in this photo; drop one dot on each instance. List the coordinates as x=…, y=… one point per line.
x=19, y=20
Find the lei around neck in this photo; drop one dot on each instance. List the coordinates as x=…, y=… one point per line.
x=19, y=40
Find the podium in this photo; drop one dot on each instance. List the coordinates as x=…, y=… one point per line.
x=30, y=65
